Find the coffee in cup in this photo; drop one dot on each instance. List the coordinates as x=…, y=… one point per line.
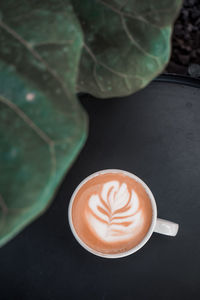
x=112, y=212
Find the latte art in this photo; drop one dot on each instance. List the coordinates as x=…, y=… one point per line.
x=111, y=212
x=114, y=214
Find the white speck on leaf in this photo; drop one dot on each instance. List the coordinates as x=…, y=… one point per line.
x=30, y=97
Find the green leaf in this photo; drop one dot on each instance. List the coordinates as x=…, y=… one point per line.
x=42, y=51
x=43, y=127
x=126, y=43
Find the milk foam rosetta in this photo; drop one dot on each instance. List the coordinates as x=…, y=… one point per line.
x=115, y=214
x=112, y=213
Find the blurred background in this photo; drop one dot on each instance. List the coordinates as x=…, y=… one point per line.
x=185, y=57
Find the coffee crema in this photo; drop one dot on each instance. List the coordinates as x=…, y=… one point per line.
x=111, y=213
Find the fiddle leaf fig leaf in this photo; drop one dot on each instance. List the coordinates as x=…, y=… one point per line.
x=43, y=127
x=126, y=43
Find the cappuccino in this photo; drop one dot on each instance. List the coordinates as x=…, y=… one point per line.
x=111, y=212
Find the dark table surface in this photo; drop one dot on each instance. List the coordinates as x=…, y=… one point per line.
x=156, y=135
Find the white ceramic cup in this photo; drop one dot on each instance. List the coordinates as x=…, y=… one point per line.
x=157, y=225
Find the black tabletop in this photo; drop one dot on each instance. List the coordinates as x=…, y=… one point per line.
x=155, y=134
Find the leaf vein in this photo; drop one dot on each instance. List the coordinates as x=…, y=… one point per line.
x=34, y=127
x=120, y=74
x=125, y=27
x=26, y=119
x=35, y=54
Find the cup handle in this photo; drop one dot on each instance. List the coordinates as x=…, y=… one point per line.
x=166, y=227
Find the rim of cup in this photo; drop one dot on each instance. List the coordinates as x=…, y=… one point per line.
x=147, y=236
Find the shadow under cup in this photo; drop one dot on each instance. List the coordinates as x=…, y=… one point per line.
x=96, y=176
